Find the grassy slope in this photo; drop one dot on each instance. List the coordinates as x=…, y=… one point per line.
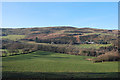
x=14, y=37
x=8, y=54
x=93, y=46
x=99, y=33
x=54, y=63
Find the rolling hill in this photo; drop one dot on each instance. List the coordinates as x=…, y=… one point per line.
x=63, y=33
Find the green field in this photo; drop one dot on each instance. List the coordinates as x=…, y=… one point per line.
x=47, y=64
x=14, y=37
x=85, y=34
x=93, y=46
x=8, y=54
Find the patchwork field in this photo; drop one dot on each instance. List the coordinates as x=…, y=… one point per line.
x=43, y=64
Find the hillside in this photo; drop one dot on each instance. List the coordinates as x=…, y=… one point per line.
x=65, y=34
x=59, y=52
x=62, y=39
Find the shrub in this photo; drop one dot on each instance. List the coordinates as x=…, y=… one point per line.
x=109, y=56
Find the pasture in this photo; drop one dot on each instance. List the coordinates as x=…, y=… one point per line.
x=93, y=46
x=85, y=34
x=42, y=64
x=9, y=54
x=14, y=37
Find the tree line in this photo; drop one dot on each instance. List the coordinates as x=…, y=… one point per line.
x=23, y=48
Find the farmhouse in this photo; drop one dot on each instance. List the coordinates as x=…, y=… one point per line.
x=85, y=42
x=90, y=42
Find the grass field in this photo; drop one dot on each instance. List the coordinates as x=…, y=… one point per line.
x=43, y=64
x=8, y=54
x=14, y=37
x=85, y=34
x=93, y=46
